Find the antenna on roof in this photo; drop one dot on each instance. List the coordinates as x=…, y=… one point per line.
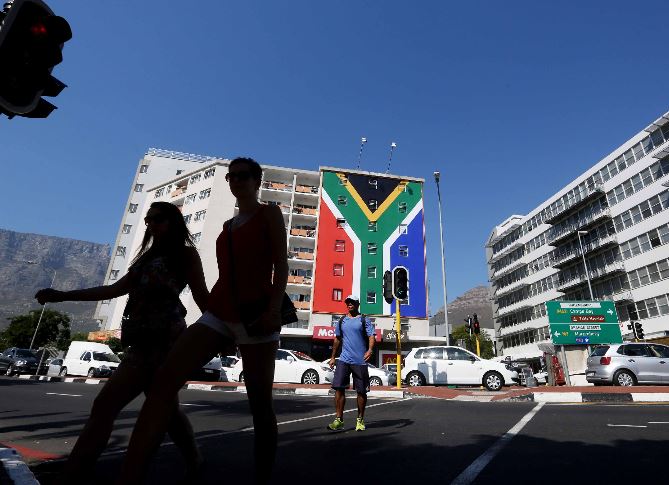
x=393, y=145
x=363, y=140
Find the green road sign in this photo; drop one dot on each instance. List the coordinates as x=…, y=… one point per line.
x=583, y=322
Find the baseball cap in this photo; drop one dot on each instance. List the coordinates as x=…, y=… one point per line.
x=354, y=298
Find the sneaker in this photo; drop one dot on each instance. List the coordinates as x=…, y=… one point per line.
x=360, y=424
x=336, y=425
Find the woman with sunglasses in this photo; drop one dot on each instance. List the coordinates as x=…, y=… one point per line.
x=253, y=267
x=153, y=319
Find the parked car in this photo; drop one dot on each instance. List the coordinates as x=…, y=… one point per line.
x=55, y=367
x=454, y=365
x=292, y=366
x=211, y=371
x=377, y=376
x=227, y=364
x=20, y=361
x=90, y=359
x=628, y=364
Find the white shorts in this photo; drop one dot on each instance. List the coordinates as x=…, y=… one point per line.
x=234, y=331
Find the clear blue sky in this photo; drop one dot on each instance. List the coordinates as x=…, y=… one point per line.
x=509, y=100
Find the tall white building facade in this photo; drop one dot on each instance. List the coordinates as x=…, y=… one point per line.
x=196, y=184
x=618, y=212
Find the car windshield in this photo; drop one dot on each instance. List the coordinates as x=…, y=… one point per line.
x=302, y=356
x=599, y=351
x=23, y=353
x=104, y=357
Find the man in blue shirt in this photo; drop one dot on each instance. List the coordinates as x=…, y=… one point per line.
x=354, y=334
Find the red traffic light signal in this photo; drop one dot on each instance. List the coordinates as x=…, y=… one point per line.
x=477, y=325
x=31, y=41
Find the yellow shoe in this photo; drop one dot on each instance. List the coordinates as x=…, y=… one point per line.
x=360, y=424
x=336, y=425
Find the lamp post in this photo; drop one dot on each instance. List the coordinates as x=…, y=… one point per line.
x=437, y=176
x=585, y=264
x=43, y=306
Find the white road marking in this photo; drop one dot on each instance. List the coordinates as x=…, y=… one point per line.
x=472, y=471
x=626, y=426
x=658, y=422
x=59, y=394
x=198, y=405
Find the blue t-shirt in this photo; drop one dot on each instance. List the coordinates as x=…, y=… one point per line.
x=354, y=344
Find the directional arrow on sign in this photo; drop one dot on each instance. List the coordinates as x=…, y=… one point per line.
x=610, y=312
x=557, y=334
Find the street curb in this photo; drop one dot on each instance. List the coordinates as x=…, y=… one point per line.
x=590, y=397
x=14, y=470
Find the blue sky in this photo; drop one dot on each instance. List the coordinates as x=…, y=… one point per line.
x=509, y=100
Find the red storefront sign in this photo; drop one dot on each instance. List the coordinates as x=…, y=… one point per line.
x=328, y=333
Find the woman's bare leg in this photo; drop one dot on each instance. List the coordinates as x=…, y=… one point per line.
x=123, y=386
x=192, y=350
x=181, y=432
x=258, y=362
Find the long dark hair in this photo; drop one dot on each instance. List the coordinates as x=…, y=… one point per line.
x=177, y=238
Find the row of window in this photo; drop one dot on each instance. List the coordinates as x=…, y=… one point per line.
x=338, y=295
x=645, y=146
x=526, y=337
x=651, y=273
x=652, y=307
x=525, y=315
x=645, y=242
x=372, y=248
x=574, y=221
x=638, y=182
x=373, y=204
x=638, y=213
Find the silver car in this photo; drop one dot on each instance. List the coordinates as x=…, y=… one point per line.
x=628, y=364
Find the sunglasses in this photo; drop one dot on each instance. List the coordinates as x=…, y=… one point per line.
x=237, y=176
x=156, y=219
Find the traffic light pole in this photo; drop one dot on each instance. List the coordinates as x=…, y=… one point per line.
x=398, y=341
x=478, y=346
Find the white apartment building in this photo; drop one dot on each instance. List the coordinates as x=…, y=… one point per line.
x=197, y=185
x=619, y=209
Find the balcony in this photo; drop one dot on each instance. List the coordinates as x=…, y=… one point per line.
x=565, y=258
x=623, y=296
x=301, y=255
x=309, y=233
x=281, y=186
x=305, y=211
x=559, y=234
x=306, y=189
x=178, y=191
x=564, y=285
x=510, y=289
x=507, y=250
x=517, y=264
x=299, y=280
x=302, y=305
x=516, y=307
x=590, y=194
x=615, y=267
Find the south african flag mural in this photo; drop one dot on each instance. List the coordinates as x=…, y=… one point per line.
x=368, y=224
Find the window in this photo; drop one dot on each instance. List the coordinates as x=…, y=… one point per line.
x=120, y=251
x=374, y=183
x=373, y=204
x=113, y=274
x=371, y=271
x=372, y=226
x=106, y=302
x=402, y=207
x=457, y=354
x=196, y=237
x=209, y=173
x=341, y=222
x=343, y=180
x=187, y=218
x=126, y=228
x=340, y=246
x=195, y=178
x=139, y=187
x=143, y=168
x=179, y=172
x=159, y=192
x=336, y=294
x=342, y=200
x=371, y=297
x=190, y=199
x=132, y=208
x=404, y=229
x=371, y=248
x=199, y=215
x=404, y=251
x=338, y=270
x=205, y=193
x=434, y=353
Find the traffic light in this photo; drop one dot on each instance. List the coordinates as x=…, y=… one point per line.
x=468, y=324
x=477, y=325
x=31, y=41
x=400, y=283
x=638, y=330
x=388, y=286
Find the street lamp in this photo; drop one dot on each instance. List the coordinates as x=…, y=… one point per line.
x=43, y=307
x=585, y=264
x=437, y=176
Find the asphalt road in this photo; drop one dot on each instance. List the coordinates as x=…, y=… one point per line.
x=409, y=441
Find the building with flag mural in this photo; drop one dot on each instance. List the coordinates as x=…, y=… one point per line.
x=344, y=228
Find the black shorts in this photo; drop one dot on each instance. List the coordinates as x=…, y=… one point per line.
x=343, y=373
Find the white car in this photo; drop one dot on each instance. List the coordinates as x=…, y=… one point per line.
x=377, y=376
x=292, y=366
x=454, y=365
x=227, y=364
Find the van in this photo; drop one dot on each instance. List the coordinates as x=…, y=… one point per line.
x=90, y=359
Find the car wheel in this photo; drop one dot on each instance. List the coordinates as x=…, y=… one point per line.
x=375, y=381
x=91, y=372
x=63, y=371
x=241, y=377
x=310, y=377
x=623, y=378
x=10, y=370
x=493, y=381
x=415, y=379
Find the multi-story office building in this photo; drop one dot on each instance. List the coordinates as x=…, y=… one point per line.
x=392, y=217
x=617, y=212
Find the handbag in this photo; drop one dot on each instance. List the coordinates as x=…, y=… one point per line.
x=250, y=312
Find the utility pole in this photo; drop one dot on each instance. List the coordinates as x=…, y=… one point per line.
x=437, y=176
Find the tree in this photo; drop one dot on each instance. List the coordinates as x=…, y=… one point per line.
x=54, y=330
x=79, y=337
x=461, y=333
x=114, y=344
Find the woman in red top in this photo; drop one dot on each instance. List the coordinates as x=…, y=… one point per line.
x=258, y=237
